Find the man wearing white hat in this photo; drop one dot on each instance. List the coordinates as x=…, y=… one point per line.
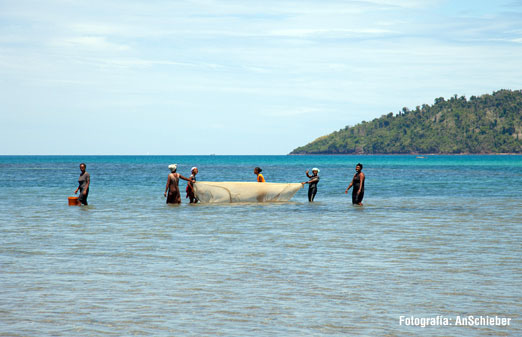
x=172, y=188
x=312, y=183
x=190, y=186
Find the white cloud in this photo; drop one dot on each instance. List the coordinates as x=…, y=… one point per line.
x=284, y=60
x=98, y=43
x=101, y=28
x=318, y=32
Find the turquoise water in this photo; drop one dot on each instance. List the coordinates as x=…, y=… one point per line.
x=439, y=236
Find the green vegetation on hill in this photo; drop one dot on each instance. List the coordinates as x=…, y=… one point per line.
x=485, y=124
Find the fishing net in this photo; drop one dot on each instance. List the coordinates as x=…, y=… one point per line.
x=215, y=192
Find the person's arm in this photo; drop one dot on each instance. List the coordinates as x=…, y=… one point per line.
x=362, y=182
x=184, y=178
x=311, y=180
x=309, y=176
x=167, y=187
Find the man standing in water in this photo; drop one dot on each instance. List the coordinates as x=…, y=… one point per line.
x=172, y=188
x=190, y=186
x=358, y=186
x=83, y=184
x=312, y=187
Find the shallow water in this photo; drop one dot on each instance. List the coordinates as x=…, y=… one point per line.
x=439, y=236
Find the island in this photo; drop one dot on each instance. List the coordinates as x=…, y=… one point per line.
x=486, y=124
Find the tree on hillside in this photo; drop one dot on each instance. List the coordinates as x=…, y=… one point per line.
x=484, y=124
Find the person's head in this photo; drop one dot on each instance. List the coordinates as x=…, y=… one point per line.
x=257, y=170
x=83, y=167
x=173, y=167
x=315, y=171
x=194, y=170
x=358, y=167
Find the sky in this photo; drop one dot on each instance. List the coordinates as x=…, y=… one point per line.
x=236, y=77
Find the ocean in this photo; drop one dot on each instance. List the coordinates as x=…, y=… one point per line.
x=435, y=250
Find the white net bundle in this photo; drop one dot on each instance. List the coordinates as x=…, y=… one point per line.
x=223, y=192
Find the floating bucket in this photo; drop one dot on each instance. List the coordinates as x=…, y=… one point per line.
x=74, y=201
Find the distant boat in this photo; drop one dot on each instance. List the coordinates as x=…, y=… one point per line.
x=420, y=157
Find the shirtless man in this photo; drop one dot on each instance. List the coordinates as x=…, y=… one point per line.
x=172, y=188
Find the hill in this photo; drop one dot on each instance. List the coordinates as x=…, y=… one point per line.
x=484, y=124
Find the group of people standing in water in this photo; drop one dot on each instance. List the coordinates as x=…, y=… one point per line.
x=173, y=194
x=357, y=183
x=172, y=189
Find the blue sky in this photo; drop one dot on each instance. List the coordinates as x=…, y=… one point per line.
x=236, y=77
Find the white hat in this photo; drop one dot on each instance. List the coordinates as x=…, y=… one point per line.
x=173, y=167
x=316, y=169
x=194, y=168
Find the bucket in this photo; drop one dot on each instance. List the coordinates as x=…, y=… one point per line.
x=73, y=201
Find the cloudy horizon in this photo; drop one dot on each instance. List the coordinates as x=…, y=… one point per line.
x=237, y=77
